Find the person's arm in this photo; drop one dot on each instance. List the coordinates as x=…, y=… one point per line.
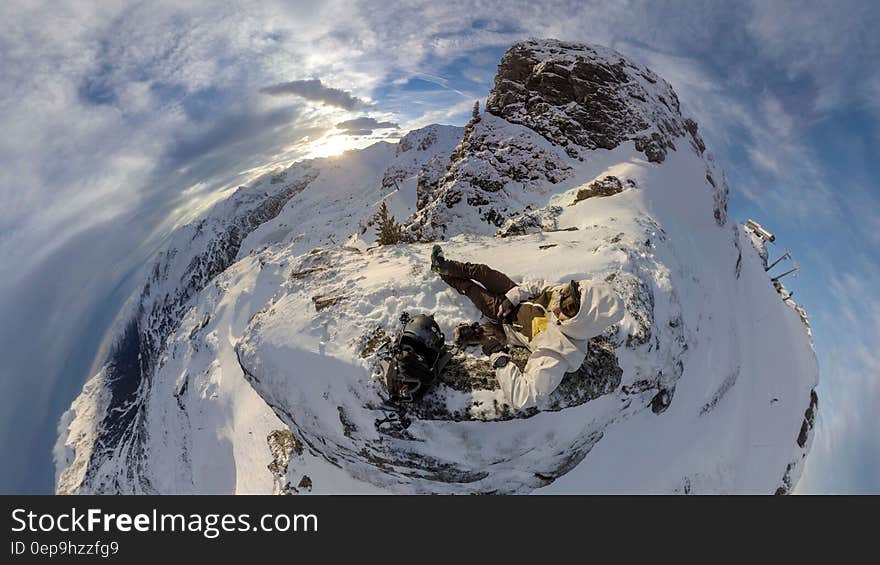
x=526, y=291
x=524, y=389
x=513, y=297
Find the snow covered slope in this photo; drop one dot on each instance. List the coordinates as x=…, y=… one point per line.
x=257, y=365
x=118, y=437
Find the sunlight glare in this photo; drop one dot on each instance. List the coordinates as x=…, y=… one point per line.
x=332, y=145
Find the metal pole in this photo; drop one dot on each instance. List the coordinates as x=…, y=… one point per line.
x=788, y=272
x=785, y=255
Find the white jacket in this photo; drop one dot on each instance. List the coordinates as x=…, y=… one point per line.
x=562, y=347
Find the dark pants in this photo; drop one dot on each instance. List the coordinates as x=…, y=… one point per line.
x=487, y=296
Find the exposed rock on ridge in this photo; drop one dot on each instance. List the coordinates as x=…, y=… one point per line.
x=552, y=104
x=588, y=97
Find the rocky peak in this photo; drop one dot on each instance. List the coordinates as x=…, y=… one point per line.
x=420, y=139
x=587, y=97
x=424, y=147
x=553, y=103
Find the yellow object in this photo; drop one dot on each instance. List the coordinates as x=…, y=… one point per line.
x=539, y=325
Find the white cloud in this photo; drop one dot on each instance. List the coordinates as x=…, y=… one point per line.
x=835, y=44
x=442, y=115
x=846, y=452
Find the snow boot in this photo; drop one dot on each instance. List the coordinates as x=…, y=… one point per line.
x=438, y=262
x=465, y=335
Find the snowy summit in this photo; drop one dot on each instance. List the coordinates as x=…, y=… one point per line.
x=249, y=363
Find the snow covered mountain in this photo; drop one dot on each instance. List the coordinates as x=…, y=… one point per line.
x=249, y=364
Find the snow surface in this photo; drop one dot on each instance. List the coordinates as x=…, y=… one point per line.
x=278, y=339
x=737, y=406
x=205, y=429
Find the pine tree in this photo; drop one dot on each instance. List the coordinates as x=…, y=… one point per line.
x=388, y=231
x=458, y=152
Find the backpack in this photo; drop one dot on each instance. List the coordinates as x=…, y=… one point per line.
x=416, y=358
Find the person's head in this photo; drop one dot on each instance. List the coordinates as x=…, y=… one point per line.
x=569, y=301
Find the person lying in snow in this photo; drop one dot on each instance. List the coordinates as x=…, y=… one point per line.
x=554, y=321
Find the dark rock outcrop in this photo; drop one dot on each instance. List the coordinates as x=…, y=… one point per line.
x=588, y=97
x=608, y=186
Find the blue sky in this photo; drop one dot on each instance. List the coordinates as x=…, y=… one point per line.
x=121, y=120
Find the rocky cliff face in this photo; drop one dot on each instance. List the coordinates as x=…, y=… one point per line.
x=265, y=320
x=586, y=97
x=554, y=100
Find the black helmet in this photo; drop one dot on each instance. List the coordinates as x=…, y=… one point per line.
x=417, y=358
x=424, y=335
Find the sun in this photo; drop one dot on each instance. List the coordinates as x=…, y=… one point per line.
x=331, y=145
